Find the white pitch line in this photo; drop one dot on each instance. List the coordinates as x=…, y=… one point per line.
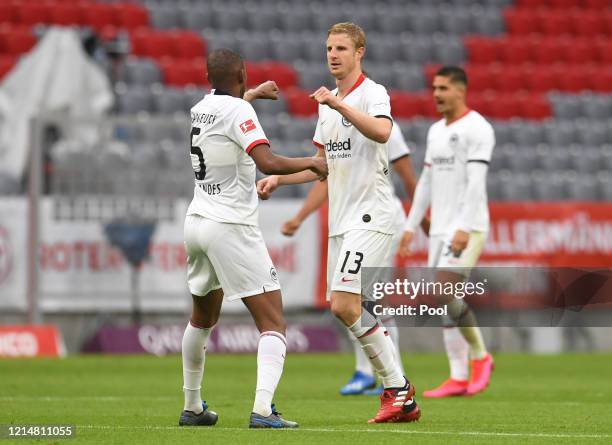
x=91, y=398
x=369, y=430
x=179, y=398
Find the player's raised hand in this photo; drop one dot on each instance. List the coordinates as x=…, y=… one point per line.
x=404, y=249
x=325, y=97
x=267, y=90
x=319, y=167
x=266, y=186
x=460, y=241
x=291, y=226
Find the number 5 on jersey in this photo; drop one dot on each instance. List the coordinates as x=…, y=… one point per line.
x=197, y=162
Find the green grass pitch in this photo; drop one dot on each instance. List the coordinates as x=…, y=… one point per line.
x=564, y=399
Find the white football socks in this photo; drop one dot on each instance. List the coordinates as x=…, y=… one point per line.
x=194, y=351
x=393, y=331
x=379, y=351
x=473, y=337
x=270, y=361
x=457, y=350
x=362, y=363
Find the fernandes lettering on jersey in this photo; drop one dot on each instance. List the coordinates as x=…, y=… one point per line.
x=224, y=129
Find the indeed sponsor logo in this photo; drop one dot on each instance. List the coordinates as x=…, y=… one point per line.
x=338, y=146
x=444, y=161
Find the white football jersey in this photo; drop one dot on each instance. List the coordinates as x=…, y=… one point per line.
x=398, y=148
x=359, y=189
x=449, y=149
x=224, y=129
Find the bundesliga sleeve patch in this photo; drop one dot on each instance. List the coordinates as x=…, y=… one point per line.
x=247, y=126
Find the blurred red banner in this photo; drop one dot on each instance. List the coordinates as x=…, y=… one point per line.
x=31, y=341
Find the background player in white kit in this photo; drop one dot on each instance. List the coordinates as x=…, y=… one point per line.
x=453, y=181
x=363, y=380
x=353, y=128
x=226, y=254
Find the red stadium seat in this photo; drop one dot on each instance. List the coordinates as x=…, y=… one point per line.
x=503, y=106
x=7, y=13
x=131, y=16
x=580, y=51
x=31, y=13
x=603, y=50
x=555, y=23
x=479, y=102
x=480, y=78
x=603, y=80
x=515, y=50
x=300, y=104
x=154, y=44
x=507, y=78
x=65, y=14
x=587, y=24
x=520, y=21
x=283, y=74
x=481, y=50
x=536, y=107
x=607, y=23
x=562, y=4
x=15, y=40
x=597, y=4
x=6, y=64
x=406, y=105
x=430, y=71
x=428, y=106
x=547, y=51
x=256, y=73
x=188, y=44
x=541, y=78
x=184, y=72
x=98, y=15
x=573, y=79
x=529, y=4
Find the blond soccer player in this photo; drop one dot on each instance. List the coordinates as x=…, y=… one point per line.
x=352, y=131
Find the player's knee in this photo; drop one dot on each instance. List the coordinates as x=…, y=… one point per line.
x=272, y=325
x=345, y=313
x=204, y=320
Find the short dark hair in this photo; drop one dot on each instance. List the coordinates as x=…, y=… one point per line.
x=454, y=73
x=222, y=64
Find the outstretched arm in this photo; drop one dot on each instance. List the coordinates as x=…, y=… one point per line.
x=271, y=164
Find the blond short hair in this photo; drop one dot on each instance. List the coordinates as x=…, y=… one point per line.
x=355, y=33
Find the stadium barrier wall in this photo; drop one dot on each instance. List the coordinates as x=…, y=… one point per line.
x=80, y=271
x=31, y=341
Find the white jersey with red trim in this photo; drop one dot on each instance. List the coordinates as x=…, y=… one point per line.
x=449, y=149
x=224, y=129
x=359, y=189
x=398, y=148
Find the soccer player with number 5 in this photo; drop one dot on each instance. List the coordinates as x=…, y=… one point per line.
x=226, y=254
x=352, y=132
